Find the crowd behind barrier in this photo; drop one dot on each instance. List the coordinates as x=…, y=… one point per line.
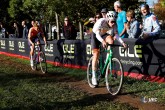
x=141, y=57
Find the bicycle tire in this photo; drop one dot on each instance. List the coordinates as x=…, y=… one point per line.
x=114, y=76
x=89, y=74
x=43, y=64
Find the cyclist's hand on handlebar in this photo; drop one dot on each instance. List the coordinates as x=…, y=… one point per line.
x=104, y=44
x=46, y=44
x=124, y=45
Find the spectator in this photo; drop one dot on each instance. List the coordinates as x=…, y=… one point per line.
x=151, y=27
x=25, y=30
x=16, y=30
x=3, y=31
x=133, y=26
x=69, y=30
x=90, y=23
x=121, y=20
x=32, y=23
x=54, y=31
x=104, y=12
x=28, y=24
x=97, y=16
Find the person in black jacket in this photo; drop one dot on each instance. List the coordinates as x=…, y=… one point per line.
x=25, y=30
x=69, y=31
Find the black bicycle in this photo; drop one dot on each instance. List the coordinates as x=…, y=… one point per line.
x=39, y=58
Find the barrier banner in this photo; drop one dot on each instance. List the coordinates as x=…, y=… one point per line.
x=142, y=57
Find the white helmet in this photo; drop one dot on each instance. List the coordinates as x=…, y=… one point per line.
x=111, y=15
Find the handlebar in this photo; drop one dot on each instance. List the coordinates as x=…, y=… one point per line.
x=113, y=45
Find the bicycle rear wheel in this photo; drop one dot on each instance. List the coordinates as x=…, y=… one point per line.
x=89, y=74
x=114, y=76
x=43, y=64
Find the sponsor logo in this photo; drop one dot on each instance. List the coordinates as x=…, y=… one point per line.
x=11, y=43
x=137, y=52
x=21, y=45
x=68, y=48
x=3, y=43
x=49, y=48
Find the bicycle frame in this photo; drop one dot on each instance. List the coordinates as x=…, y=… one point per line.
x=39, y=57
x=103, y=65
x=37, y=49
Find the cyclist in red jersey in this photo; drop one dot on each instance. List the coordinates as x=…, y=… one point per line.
x=33, y=37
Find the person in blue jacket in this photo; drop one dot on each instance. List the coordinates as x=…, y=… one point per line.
x=133, y=26
x=151, y=27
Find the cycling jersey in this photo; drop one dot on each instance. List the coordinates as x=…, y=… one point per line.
x=101, y=27
x=35, y=33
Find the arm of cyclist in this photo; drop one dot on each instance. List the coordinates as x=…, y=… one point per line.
x=44, y=38
x=120, y=40
x=98, y=36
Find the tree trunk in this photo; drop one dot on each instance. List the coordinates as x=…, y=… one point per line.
x=81, y=31
x=58, y=28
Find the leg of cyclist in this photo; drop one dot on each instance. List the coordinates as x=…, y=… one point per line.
x=94, y=65
x=109, y=40
x=31, y=54
x=32, y=50
x=95, y=50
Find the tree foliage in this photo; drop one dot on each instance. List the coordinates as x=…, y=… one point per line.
x=3, y=7
x=76, y=9
x=159, y=10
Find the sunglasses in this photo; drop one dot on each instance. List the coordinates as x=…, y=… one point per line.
x=112, y=21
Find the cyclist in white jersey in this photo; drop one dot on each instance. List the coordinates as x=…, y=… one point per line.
x=104, y=31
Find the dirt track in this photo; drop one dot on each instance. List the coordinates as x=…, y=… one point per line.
x=100, y=91
x=125, y=98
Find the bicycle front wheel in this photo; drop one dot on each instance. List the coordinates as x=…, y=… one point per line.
x=43, y=64
x=114, y=76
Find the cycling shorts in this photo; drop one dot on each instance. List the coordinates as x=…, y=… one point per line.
x=34, y=40
x=95, y=43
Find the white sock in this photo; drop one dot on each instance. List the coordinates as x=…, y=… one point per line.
x=31, y=57
x=94, y=74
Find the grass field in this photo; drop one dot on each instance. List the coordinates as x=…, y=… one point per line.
x=22, y=88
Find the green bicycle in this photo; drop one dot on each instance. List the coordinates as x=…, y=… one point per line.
x=111, y=70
